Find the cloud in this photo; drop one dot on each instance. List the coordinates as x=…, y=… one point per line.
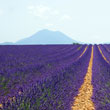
x=43, y=11
x=39, y=11
x=49, y=24
x=66, y=17
x=31, y=8
x=56, y=12
x=48, y=14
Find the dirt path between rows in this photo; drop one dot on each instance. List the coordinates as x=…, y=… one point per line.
x=83, y=52
x=83, y=100
x=103, y=55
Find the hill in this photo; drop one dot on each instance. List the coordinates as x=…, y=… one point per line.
x=47, y=37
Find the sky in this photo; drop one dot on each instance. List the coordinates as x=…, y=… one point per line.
x=83, y=20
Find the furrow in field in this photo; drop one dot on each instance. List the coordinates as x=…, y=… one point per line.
x=103, y=55
x=83, y=52
x=83, y=100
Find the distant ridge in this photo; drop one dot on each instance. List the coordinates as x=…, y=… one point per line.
x=47, y=37
x=44, y=37
x=7, y=43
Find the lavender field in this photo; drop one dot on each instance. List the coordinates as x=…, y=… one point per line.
x=55, y=77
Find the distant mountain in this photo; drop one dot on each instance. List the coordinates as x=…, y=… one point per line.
x=47, y=37
x=44, y=37
x=7, y=43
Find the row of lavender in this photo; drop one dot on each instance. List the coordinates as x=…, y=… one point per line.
x=20, y=66
x=101, y=78
x=41, y=77
x=18, y=60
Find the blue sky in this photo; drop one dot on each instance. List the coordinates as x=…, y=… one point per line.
x=83, y=20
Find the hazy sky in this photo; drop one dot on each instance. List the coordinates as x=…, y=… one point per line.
x=83, y=20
